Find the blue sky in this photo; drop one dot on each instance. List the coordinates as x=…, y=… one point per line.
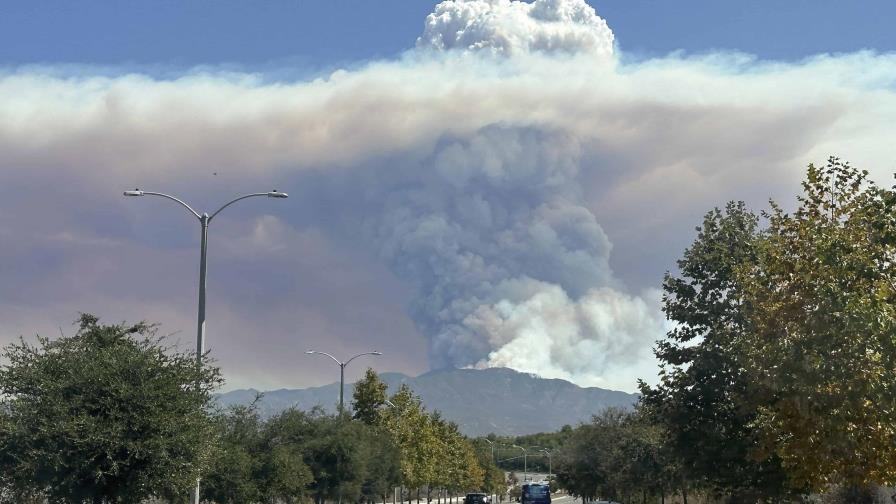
x=509, y=193
x=321, y=34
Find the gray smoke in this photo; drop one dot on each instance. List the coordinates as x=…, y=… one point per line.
x=510, y=267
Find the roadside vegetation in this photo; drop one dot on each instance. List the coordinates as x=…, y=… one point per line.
x=778, y=381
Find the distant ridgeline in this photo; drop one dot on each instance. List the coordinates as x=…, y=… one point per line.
x=498, y=400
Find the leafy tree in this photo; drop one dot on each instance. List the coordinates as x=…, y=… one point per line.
x=251, y=466
x=110, y=414
x=586, y=465
x=231, y=478
x=384, y=467
x=369, y=398
x=701, y=400
x=415, y=437
x=823, y=347
x=344, y=457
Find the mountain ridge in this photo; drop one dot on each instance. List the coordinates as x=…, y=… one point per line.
x=481, y=401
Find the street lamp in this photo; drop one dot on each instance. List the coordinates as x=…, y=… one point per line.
x=204, y=220
x=341, y=371
x=525, y=463
x=494, y=461
x=550, y=462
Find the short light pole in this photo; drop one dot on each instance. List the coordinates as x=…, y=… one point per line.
x=204, y=221
x=492, y=446
x=550, y=462
x=525, y=463
x=341, y=372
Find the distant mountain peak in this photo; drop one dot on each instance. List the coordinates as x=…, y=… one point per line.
x=481, y=401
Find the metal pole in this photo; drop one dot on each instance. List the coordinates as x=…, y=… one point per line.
x=200, y=329
x=203, y=270
x=341, y=386
x=525, y=465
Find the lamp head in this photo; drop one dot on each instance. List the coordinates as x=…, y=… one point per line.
x=135, y=192
x=376, y=353
x=309, y=352
x=277, y=194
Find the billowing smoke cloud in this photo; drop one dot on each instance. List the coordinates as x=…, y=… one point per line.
x=509, y=27
x=525, y=220
x=512, y=269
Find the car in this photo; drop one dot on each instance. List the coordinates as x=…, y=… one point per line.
x=476, y=498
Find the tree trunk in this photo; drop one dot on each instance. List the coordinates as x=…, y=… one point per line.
x=684, y=494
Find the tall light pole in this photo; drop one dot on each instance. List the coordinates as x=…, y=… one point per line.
x=341, y=371
x=204, y=220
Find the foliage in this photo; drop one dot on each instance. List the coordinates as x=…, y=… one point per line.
x=369, y=398
x=343, y=456
x=823, y=346
x=413, y=432
x=251, y=465
x=779, y=377
x=700, y=400
x=109, y=414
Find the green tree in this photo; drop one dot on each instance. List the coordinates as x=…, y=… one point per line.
x=342, y=455
x=109, y=415
x=253, y=466
x=823, y=345
x=415, y=437
x=704, y=390
x=369, y=398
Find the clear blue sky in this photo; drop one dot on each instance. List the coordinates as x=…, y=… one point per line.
x=328, y=32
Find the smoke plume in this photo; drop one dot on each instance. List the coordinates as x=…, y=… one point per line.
x=511, y=268
x=510, y=184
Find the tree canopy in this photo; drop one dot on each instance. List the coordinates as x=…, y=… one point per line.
x=111, y=414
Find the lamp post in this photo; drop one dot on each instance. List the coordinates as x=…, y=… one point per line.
x=204, y=221
x=525, y=463
x=550, y=462
x=341, y=371
x=492, y=446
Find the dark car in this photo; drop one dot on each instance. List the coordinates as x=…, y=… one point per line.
x=476, y=498
x=536, y=493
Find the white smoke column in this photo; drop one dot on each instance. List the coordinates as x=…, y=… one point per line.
x=511, y=27
x=551, y=335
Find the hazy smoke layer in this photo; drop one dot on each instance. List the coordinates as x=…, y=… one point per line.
x=489, y=185
x=510, y=27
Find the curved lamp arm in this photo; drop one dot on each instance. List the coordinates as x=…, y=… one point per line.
x=312, y=352
x=360, y=354
x=138, y=192
x=270, y=194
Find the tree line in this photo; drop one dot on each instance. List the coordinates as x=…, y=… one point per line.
x=778, y=379
x=113, y=414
